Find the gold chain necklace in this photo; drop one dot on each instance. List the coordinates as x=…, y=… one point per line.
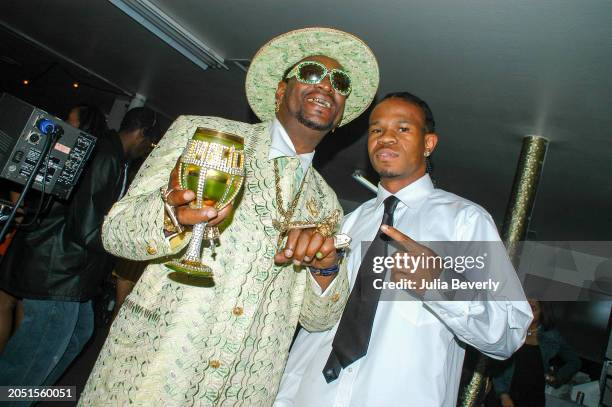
x=283, y=224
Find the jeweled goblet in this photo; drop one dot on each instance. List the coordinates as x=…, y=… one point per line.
x=212, y=165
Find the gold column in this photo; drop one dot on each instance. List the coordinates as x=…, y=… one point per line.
x=524, y=189
x=516, y=222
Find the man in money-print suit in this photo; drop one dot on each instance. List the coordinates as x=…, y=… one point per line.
x=174, y=344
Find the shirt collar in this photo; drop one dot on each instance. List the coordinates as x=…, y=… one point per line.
x=411, y=195
x=282, y=146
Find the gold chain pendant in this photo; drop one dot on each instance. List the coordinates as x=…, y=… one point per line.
x=283, y=224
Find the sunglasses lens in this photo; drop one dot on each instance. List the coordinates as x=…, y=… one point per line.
x=341, y=82
x=311, y=73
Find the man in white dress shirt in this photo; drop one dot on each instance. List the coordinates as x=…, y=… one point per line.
x=413, y=349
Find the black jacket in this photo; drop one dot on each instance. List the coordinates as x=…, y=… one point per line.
x=63, y=258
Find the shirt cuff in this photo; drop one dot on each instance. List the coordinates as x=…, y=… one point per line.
x=316, y=288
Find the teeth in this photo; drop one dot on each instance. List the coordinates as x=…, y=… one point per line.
x=387, y=154
x=320, y=102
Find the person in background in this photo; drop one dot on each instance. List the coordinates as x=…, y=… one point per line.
x=11, y=309
x=84, y=117
x=520, y=380
x=57, y=267
x=88, y=118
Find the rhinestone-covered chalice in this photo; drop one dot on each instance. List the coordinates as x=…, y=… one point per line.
x=212, y=165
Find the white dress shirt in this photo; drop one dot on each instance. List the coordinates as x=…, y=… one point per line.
x=282, y=146
x=415, y=355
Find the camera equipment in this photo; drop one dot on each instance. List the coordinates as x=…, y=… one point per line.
x=25, y=131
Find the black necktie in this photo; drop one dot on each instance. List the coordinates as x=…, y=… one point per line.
x=353, y=335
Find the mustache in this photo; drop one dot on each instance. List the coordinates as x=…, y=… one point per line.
x=384, y=147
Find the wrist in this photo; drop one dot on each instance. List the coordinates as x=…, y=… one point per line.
x=332, y=269
x=326, y=272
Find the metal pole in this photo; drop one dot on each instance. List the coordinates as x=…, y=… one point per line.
x=516, y=223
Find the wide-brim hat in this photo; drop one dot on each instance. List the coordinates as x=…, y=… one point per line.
x=271, y=61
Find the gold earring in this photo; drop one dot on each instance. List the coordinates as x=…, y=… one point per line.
x=278, y=103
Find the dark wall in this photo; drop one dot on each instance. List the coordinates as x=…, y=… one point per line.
x=50, y=79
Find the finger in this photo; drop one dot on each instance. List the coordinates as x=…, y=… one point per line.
x=327, y=248
x=292, y=238
x=398, y=236
x=221, y=215
x=326, y=256
x=279, y=258
x=316, y=241
x=192, y=216
x=301, y=245
x=180, y=197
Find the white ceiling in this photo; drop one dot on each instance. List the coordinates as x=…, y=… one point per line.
x=492, y=71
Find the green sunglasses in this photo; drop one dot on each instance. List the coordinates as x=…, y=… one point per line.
x=311, y=72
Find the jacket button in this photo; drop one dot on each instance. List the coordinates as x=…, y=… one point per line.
x=151, y=250
x=238, y=311
x=215, y=364
x=335, y=297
